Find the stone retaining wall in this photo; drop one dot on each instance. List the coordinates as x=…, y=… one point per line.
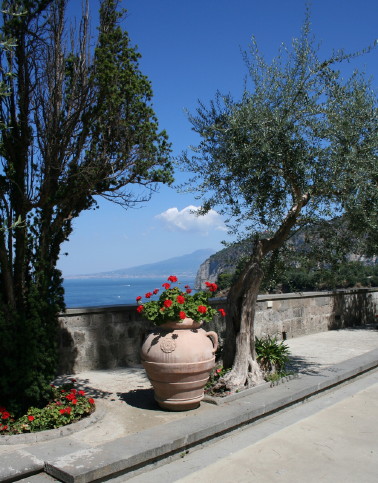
x=109, y=337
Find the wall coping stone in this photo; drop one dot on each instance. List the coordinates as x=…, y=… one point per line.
x=260, y=298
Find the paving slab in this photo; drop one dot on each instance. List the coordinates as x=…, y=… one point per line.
x=19, y=463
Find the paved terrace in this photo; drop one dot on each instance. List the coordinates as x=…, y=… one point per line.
x=128, y=431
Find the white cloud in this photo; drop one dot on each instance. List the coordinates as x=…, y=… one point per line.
x=187, y=220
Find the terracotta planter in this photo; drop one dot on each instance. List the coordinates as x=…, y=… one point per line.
x=178, y=358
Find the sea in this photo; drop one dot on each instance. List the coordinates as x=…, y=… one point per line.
x=94, y=292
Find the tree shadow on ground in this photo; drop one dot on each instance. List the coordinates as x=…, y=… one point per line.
x=300, y=365
x=140, y=398
x=359, y=328
x=84, y=385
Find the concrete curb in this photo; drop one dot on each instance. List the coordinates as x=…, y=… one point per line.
x=77, y=463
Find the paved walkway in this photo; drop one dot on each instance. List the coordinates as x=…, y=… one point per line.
x=330, y=439
x=128, y=429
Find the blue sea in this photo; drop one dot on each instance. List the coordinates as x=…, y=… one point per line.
x=92, y=292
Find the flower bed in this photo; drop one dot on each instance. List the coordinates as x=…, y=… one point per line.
x=67, y=405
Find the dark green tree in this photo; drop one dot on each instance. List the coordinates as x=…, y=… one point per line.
x=298, y=149
x=76, y=123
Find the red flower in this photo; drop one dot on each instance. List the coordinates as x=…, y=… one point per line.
x=91, y=401
x=167, y=303
x=166, y=285
x=138, y=298
x=182, y=315
x=140, y=308
x=156, y=291
x=81, y=393
x=172, y=278
x=188, y=290
x=180, y=299
x=219, y=371
x=202, y=309
x=31, y=418
x=73, y=380
x=148, y=295
x=213, y=287
x=65, y=410
x=222, y=312
x=5, y=415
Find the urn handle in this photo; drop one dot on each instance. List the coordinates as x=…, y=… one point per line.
x=214, y=338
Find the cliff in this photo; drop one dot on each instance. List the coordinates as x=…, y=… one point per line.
x=223, y=261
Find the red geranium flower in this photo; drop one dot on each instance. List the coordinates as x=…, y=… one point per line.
x=180, y=299
x=172, y=278
x=5, y=415
x=148, y=295
x=81, y=393
x=156, y=291
x=188, y=290
x=167, y=303
x=222, y=312
x=91, y=401
x=65, y=410
x=140, y=308
x=166, y=285
x=202, y=309
x=213, y=287
x=138, y=298
x=31, y=418
x=182, y=315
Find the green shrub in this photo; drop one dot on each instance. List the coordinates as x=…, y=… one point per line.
x=272, y=355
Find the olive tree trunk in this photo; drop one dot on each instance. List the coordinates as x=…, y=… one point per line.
x=239, y=348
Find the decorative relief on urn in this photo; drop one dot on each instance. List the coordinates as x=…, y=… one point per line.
x=167, y=345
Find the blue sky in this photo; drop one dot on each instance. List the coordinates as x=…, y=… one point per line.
x=191, y=49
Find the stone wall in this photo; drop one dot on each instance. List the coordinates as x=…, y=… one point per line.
x=110, y=337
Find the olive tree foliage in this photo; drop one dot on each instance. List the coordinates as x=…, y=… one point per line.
x=76, y=123
x=299, y=148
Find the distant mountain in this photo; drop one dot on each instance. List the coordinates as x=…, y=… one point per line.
x=183, y=266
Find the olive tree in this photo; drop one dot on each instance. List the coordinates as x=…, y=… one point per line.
x=297, y=149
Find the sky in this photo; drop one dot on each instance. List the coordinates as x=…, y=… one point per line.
x=191, y=49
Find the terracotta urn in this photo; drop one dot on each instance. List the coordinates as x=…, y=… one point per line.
x=178, y=358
